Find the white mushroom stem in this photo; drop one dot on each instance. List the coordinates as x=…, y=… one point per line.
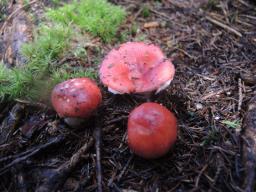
x=114, y=91
x=74, y=122
x=164, y=86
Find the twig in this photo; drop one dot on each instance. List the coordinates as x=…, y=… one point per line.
x=164, y=16
x=244, y=3
x=32, y=104
x=224, y=26
x=240, y=93
x=14, y=13
x=7, y=158
x=187, y=54
x=121, y=118
x=58, y=178
x=32, y=153
x=212, y=94
x=118, y=178
x=249, y=146
x=97, y=135
x=200, y=174
x=136, y=15
x=124, y=168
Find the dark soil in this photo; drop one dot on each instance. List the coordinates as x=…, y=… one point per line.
x=214, y=80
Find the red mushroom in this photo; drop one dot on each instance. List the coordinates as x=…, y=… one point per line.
x=76, y=99
x=152, y=130
x=136, y=67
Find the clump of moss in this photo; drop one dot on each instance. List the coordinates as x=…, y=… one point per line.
x=52, y=41
x=48, y=45
x=100, y=18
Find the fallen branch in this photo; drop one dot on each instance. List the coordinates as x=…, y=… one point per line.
x=58, y=178
x=249, y=146
x=38, y=149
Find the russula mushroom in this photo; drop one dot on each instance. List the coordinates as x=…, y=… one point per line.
x=136, y=67
x=76, y=99
x=152, y=130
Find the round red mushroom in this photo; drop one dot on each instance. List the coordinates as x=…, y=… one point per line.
x=136, y=67
x=76, y=98
x=152, y=130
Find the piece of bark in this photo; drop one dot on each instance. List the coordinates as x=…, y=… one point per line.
x=152, y=24
x=10, y=123
x=17, y=32
x=249, y=146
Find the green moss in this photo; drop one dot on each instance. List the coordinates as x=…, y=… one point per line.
x=53, y=41
x=49, y=44
x=145, y=11
x=40, y=73
x=100, y=18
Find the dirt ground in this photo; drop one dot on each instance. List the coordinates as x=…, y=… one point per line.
x=212, y=45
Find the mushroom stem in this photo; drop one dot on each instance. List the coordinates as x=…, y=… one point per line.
x=74, y=122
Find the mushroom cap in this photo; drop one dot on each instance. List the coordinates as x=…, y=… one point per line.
x=136, y=67
x=152, y=130
x=77, y=97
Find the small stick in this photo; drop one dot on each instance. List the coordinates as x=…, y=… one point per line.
x=119, y=177
x=224, y=26
x=124, y=168
x=200, y=174
x=166, y=17
x=121, y=118
x=240, y=93
x=58, y=178
x=32, y=104
x=97, y=135
x=244, y=3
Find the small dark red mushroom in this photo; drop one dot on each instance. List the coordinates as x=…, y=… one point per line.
x=152, y=130
x=76, y=98
x=136, y=67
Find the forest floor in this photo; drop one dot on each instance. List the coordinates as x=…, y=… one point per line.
x=212, y=45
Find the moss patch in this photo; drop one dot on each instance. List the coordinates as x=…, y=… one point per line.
x=100, y=18
x=53, y=41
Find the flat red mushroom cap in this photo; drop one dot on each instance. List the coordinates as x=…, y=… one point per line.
x=136, y=67
x=152, y=130
x=77, y=97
